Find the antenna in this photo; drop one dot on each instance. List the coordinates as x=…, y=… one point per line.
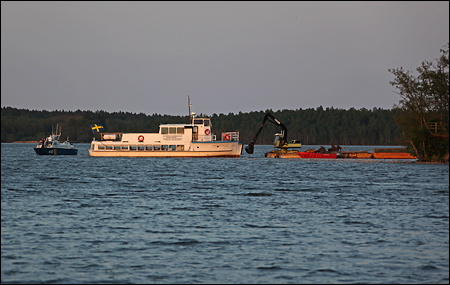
x=189, y=104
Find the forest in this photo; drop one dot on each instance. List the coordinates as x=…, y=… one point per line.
x=311, y=126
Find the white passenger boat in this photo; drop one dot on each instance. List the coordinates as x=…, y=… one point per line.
x=173, y=140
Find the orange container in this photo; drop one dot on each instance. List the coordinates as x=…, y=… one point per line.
x=364, y=155
x=393, y=155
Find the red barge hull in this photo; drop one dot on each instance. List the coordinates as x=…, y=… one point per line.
x=316, y=155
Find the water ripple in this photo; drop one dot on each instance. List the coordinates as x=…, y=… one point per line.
x=246, y=220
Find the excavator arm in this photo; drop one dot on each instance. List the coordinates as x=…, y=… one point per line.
x=268, y=117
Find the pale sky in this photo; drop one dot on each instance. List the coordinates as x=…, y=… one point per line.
x=227, y=56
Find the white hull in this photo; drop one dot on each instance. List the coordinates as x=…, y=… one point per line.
x=161, y=154
x=231, y=149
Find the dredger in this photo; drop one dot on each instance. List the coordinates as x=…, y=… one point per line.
x=284, y=146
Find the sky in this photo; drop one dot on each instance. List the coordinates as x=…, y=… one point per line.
x=228, y=57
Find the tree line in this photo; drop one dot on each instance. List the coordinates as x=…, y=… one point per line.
x=313, y=126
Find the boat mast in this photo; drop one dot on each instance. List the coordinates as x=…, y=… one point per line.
x=189, y=104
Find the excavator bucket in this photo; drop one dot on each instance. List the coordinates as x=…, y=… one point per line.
x=249, y=149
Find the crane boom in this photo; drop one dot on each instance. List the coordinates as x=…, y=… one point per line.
x=283, y=138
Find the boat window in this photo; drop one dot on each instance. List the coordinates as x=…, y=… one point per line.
x=172, y=147
x=164, y=147
x=180, y=130
x=198, y=122
x=172, y=130
x=141, y=147
x=125, y=147
x=180, y=147
x=148, y=147
x=132, y=147
x=108, y=147
x=164, y=130
x=101, y=147
x=207, y=122
x=117, y=147
x=157, y=147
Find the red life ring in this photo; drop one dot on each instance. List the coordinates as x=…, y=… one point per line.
x=141, y=138
x=226, y=137
x=207, y=131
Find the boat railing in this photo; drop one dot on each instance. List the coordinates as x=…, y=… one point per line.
x=230, y=136
x=111, y=136
x=204, y=138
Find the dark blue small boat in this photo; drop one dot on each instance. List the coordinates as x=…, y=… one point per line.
x=52, y=146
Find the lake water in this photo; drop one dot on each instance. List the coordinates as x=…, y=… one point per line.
x=81, y=219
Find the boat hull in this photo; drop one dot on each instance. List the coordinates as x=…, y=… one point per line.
x=55, y=151
x=342, y=155
x=178, y=154
x=393, y=156
x=317, y=155
x=299, y=154
x=198, y=150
